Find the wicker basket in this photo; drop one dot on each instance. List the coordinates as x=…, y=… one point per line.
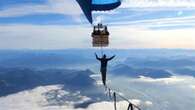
x=100, y=36
x=100, y=40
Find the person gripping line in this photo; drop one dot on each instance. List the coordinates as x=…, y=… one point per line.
x=103, y=69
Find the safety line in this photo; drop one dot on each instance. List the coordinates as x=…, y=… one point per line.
x=115, y=93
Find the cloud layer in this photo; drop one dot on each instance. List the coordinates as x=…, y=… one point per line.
x=60, y=37
x=34, y=99
x=65, y=7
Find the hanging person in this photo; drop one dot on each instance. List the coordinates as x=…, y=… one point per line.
x=103, y=69
x=114, y=96
x=130, y=107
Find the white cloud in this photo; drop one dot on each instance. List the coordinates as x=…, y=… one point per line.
x=71, y=7
x=139, y=37
x=65, y=7
x=192, y=86
x=148, y=103
x=172, y=80
x=158, y=3
x=121, y=105
x=160, y=22
x=60, y=37
x=34, y=100
x=44, y=37
x=27, y=100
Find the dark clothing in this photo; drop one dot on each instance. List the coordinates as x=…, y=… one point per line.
x=103, y=68
x=130, y=107
x=103, y=77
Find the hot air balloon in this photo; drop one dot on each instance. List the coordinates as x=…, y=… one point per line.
x=100, y=32
x=97, y=5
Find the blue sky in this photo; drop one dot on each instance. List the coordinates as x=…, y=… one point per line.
x=59, y=24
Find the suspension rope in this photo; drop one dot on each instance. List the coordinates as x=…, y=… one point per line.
x=109, y=93
x=102, y=51
x=115, y=93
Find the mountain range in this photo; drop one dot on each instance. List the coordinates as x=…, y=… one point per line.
x=125, y=70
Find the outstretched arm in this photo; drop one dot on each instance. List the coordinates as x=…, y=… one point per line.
x=111, y=57
x=97, y=57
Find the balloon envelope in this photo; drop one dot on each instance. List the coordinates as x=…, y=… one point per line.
x=104, y=1
x=97, y=5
